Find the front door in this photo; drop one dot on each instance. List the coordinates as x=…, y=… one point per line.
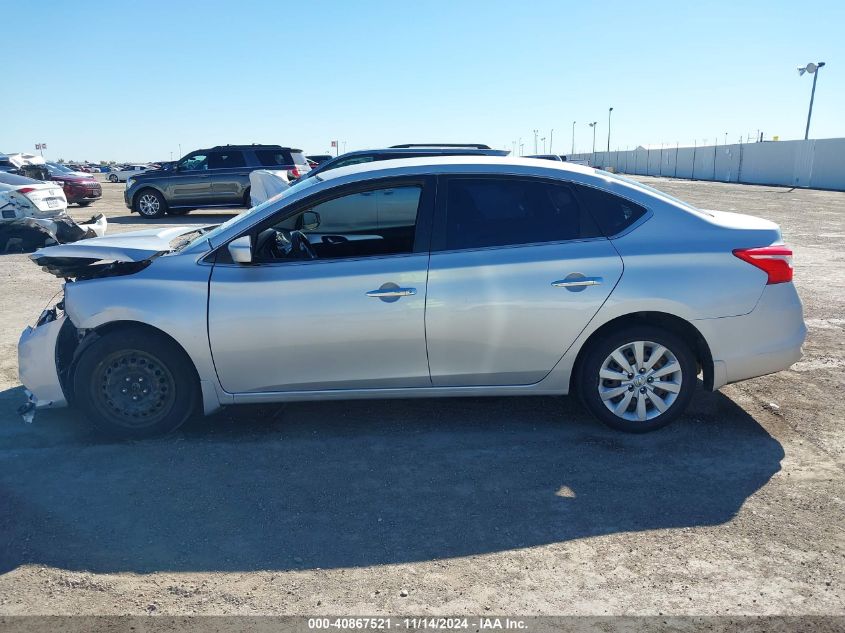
x=517, y=271
x=190, y=183
x=344, y=311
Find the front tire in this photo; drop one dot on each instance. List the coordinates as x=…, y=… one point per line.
x=150, y=204
x=134, y=383
x=113, y=178
x=638, y=379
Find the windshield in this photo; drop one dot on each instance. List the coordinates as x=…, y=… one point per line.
x=55, y=167
x=243, y=217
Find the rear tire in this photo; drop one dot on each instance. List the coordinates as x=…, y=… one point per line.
x=638, y=379
x=113, y=178
x=134, y=383
x=150, y=204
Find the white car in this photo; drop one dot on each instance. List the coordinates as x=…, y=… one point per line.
x=22, y=197
x=120, y=175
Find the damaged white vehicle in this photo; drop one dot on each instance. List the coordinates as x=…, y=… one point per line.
x=34, y=214
x=425, y=277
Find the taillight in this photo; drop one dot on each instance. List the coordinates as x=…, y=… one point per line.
x=294, y=173
x=25, y=190
x=775, y=261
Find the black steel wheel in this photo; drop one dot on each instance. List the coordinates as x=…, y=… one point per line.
x=135, y=383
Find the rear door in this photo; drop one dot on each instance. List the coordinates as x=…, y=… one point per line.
x=518, y=268
x=229, y=176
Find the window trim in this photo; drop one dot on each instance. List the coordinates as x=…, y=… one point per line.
x=423, y=227
x=438, y=239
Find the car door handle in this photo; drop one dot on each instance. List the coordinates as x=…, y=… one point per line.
x=388, y=293
x=577, y=282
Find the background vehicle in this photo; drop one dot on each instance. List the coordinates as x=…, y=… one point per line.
x=388, y=279
x=409, y=150
x=78, y=188
x=319, y=159
x=546, y=157
x=214, y=177
x=122, y=173
x=22, y=197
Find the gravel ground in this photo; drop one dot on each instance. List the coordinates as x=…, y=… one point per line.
x=521, y=506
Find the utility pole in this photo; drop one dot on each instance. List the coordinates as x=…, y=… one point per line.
x=551, y=139
x=813, y=69
x=535, y=141
x=608, y=128
x=573, y=137
x=544, y=144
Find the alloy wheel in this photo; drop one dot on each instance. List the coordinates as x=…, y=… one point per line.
x=640, y=381
x=148, y=204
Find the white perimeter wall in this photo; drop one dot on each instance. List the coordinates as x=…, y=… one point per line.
x=819, y=164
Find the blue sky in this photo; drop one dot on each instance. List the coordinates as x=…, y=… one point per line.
x=135, y=80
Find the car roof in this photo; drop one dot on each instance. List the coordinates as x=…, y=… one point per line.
x=458, y=163
x=253, y=146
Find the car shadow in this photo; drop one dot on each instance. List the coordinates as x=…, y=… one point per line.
x=342, y=484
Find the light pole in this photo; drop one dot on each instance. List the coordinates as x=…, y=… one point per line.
x=573, y=137
x=551, y=139
x=609, y=110
x=593, y=125
x=544, y=144
x=813, y=69
x=535, y=141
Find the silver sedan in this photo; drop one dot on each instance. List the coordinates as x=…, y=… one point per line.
x=430, y=277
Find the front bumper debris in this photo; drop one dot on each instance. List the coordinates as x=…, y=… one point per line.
x=37, y=366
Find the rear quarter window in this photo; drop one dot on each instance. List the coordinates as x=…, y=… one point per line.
x=612, y=213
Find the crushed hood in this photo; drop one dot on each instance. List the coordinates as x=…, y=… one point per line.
x=109, y=255
x=134, y=246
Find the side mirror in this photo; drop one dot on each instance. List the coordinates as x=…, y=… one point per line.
x=310, y=221
x=241, y=250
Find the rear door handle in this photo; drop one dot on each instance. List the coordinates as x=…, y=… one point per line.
x=577, y=281
x=388, y=293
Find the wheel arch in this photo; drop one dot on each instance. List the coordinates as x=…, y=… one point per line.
x=141, y=190
x=675, y=324
x=68, y=357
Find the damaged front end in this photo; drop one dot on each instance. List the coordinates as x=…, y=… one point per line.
x=23, y=235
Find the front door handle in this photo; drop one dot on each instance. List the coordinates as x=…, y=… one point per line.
x=577, y=282
x=386, y=293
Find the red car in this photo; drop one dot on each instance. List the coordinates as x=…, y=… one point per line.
x=82, y=190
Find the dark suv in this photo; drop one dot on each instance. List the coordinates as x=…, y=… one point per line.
x=215, y=177
x=408, y=150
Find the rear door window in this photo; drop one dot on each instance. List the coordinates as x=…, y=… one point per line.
x=484, y=212
x=226, y=159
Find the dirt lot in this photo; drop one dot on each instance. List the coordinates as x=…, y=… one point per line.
x=521, y=506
